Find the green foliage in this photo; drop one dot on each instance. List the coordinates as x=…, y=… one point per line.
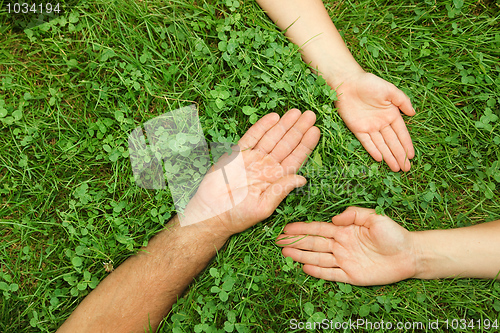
x=73, y=88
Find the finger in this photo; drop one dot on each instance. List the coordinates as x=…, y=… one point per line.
x=354, y=215
x=310, y=258
x=275, y=134
x=330, y=274
x=294, y=161
x=306, y=242
x=396, y=147
x=387, y=156
x=293, y=137
x=399, y=127
x=275, y=193
x=402, y=101
x=257, y=131
x=370, y=147
x=324, y=229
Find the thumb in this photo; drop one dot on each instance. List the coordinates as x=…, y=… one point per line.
x=399, y=99
x=278, y=191
x=354, y=215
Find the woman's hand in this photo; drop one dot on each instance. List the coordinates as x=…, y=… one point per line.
x=359, y=247
x=370, y=107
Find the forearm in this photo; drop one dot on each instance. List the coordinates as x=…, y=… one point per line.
x=141, y=291
x=310, y=27
x=465, y=252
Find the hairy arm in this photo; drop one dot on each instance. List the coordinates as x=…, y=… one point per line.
x=141, y=291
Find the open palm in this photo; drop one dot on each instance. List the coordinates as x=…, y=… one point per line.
x=246, y=189
x=359, y=248
x=370, y=107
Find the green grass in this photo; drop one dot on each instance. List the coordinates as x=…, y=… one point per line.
x=72, y=89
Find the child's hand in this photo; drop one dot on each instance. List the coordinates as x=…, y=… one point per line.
x=359, y=248
x=370, y=108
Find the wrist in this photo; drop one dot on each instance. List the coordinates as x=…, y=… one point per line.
x=206, y=233
x=201, y=218
x=430, y=261
x=325, y=51
x=212, y=230
x=421, y=263
x=338, y=78
x=345, y=84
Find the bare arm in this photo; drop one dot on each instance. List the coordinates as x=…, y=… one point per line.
x=141, y=291
x=310, y=27
x=464, y=252
x=363, y=248
x=369, y=105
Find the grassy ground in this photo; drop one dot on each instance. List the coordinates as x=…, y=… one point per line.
x=72, y=89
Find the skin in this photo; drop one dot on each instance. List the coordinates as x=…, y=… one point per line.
x=369, y=105
x=362, y=248
x=141, y=291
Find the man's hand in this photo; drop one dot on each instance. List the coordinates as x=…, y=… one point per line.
x=358, y=247
x=370, y=108
x=141, y=291
x=273, y=150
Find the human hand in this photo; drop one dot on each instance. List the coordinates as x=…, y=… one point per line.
x=358, y=247
x=272, y=150
x=370, y=108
